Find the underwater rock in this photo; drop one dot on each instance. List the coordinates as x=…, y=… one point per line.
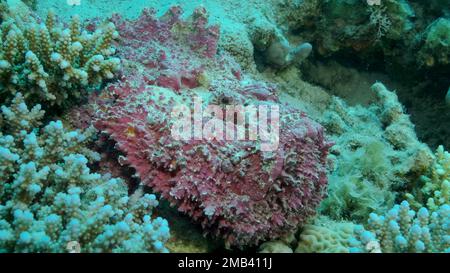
x=235, y=189
x=325, y=236
x=237, y=42
x=433, y=188
x=280, y=54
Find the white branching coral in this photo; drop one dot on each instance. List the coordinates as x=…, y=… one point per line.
x=403, y=229
x=50, y=62
x=380, y=20
x=434, y=187
x=50, y=201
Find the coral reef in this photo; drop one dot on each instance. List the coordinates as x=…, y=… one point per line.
x=238, y=42
x=281, y=54
x=405, y=230
x=322, y=235
x=325, y=236
x=435, y=50
x=275, y=247
x=51, y=62
x=373, y=162
x=306, y=195
x=360, y=184
x=433, y=188
x=50, y=201
x=233, y=188
x=406, y=39
x=361, y=30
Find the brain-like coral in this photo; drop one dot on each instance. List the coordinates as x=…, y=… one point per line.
x=325, y=236
x=275, y=247
x=233, y=188
x=50, y=201
x=52, y=62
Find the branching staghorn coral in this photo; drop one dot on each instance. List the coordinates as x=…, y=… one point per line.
x=49, y=62
x=50, y=201
x=405, y=230
x=434, y=187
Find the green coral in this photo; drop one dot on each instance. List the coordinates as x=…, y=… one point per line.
x=325, y=236
x=403, y=229
x=360, y=184
x=50, y=201
x=434, y=187
x=376, y=155
x=51, y=63
x=420, y=225
x=436, y=44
